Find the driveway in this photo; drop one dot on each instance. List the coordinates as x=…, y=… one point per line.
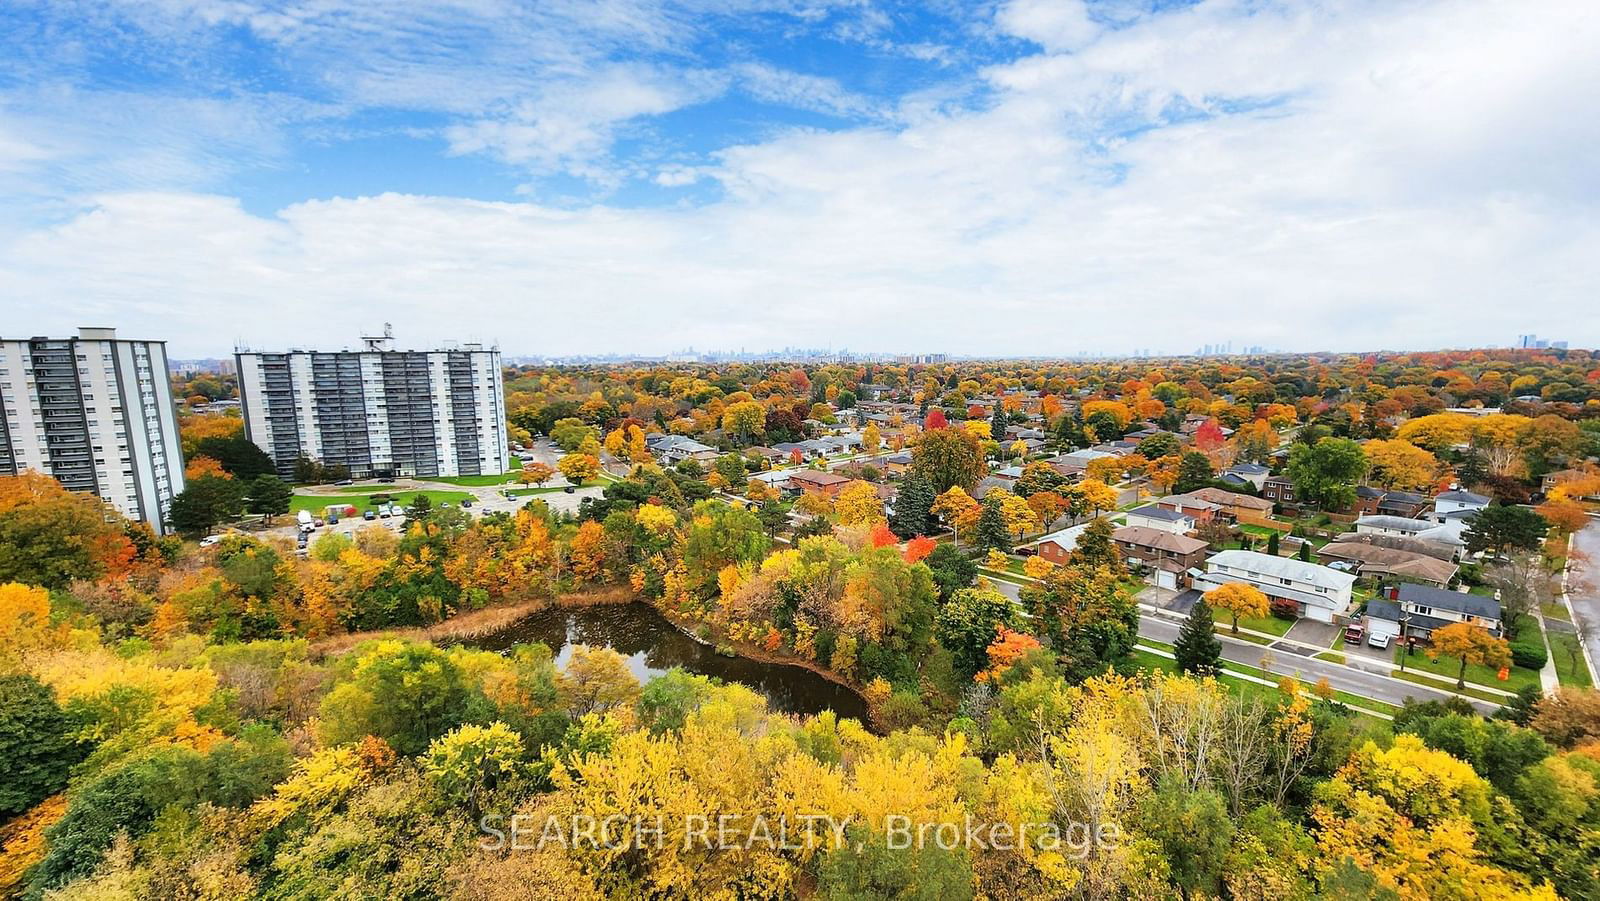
x=1311, y=632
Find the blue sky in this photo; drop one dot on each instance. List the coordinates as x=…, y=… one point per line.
x=1016, y=177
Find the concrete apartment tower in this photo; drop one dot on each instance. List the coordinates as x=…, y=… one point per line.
x=96, y=412
x=378, y=410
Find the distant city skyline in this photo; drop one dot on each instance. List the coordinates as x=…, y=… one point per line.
x=1022, y=178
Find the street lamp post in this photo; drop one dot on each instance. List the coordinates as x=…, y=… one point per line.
x=1405, y=639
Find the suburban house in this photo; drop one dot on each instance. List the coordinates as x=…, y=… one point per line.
x=1009, y=473
x=1057, y=547
x=1170, y=556
x=1319, y=593
x=1151, y=516
x=1279, y=490
x=1376, y=501
x=1424, y=609
x=674, y=449
x=817, y=481
x=1552, y=479
x=1457, y=502
x=1230, y=504
x=1253, y=473
x=1381, y=562
x=1188, y=505
x=897, y=464
x=769, y=454
x=1425, y=529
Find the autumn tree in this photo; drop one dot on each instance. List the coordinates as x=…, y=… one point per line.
x=37, y=748
x=535, y=473
x=1238, y=599
x=957, y=508
x=1396, y=464
x=1469, y=643
x=50, y=536
x=745, y=419
x=871, y=438
x=968, y=623
x=579, y=468
x=858, y=503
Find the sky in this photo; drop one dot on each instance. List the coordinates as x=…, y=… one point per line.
x=1024, y=177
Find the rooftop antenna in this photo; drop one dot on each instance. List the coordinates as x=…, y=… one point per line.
x=381, y=342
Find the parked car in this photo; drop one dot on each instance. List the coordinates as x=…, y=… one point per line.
x=569, y=489
x=1352, y=633
x=318, y=523
x=466, y=503
x=1378, y=641
x=369, y=515
x=210, y=540
x=344, y=482
x=383, y=512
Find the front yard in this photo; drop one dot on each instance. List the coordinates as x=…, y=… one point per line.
x=1482, y=675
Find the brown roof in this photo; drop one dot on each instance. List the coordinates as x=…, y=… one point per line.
x=1232, y=499
x=818, y=477
x=1374, y=558
x=1160, y=539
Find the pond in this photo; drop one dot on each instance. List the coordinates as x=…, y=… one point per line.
x=653, y=645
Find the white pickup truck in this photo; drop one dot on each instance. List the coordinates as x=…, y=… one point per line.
x=305, y=520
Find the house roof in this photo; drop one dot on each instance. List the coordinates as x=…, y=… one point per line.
x=1188, y=501
x=1150, y=511
x=1231, y=499
x=1383, y=608
x=1390, y=560
x=1463, y=497
x=1250, y=469
x=817, y=477
x=1460, y=602
x=1402, y=523
x=1284, y=568
x=1160, y=539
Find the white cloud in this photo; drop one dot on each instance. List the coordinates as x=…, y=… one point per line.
x=1362, y=176
x=1053, y=24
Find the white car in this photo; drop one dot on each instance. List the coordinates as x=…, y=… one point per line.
x=210, y=540
x=1378, y=641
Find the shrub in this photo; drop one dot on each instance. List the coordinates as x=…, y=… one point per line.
x=1283, y=608
x=1528, y=654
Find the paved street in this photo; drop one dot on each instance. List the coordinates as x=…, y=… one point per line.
x=1284, y=661
x=1582, y=589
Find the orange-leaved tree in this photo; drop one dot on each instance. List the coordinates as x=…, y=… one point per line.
x=1470, y=643
x=1239, y=599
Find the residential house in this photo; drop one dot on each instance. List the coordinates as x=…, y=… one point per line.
x=1170, y=556
x=1187, y=504
x=897, y=464
x=1448, y=532
x=674, y=449
x=1279, y=490
x=1552, y=479
x=1057, y=547
x=1457, y=502
x=1009, y=473
x=1386, y=562
x=1151, y=516
x=1230, y=505
x=990, y=483
x=818, y=481
x=1252, y=473
x=1319, y=593
x=1421, y=609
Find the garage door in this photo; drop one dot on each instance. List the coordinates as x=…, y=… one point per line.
x=1320, y=614
x=1165, y=579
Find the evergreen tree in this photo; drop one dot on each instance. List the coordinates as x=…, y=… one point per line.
x=1197, y=649
x=205, y=502
x=912, y=507
x=1272, y=544
x=37, y=751
x=1305, y=551
x=269, y=496
x=1194, y=471
x=1069, y=431
x=998, y=423
x=992, y=532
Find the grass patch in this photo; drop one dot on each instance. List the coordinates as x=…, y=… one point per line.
x=1331, y=657
x=1243, y=636
x=528, y=492
x=1482, y=675
x=362, y=502
x=1555, y=610
x=474, y=481
x=1571, y=668
x=1469, y=691
x=1232, y=673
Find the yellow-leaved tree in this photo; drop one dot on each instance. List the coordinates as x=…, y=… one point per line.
x=1239, y=599
x=1469, y=643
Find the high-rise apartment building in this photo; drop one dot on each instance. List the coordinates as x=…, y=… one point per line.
x=378, y=411
x=95, y=412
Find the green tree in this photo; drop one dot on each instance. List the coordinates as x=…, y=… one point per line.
x=406, y=694
x=1194, y=471
x=37, y=751
x=1325, y=474
x=952, y=569
x=966, y=626
x=239, y=456
x=1095, y=547
x=472, y=760
x=1197, y=649
x=1194, y=831
x=269, y=496
x=1159, y=445
x=204, y=503
x=991, y=530
x=668, y=699
x=1272, y=544
x=420, y=507
x=948, y=458
x=998, y=423
x=868, y=867
x=913, y=507
x=720, y=535
x=1504, y=528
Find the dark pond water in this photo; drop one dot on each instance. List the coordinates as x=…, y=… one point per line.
x=653, y=645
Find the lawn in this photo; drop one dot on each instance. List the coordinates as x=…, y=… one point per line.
x=1469, y=691
x=1482, y=675
x=1232, y=671
x=318, y=504
x=1271, y=625
x=528, y=492
x=472, y=481
x=1570, y=666
x=1555, y=610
